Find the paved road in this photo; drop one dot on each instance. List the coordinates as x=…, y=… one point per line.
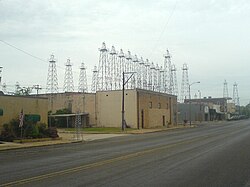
x=209, y=155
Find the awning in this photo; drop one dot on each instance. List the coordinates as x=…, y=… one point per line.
x=68, y=115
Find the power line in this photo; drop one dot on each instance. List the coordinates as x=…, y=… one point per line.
x=164, y=28
x=29, y=54
x=25, y=52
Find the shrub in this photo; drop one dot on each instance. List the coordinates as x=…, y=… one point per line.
x=52, y=132
x=12, y=131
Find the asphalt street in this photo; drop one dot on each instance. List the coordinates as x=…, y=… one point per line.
x=212, y=154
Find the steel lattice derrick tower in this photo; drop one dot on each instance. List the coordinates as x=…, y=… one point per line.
x=52, y=82
x=128, y=66
x=155, y=78
x=167, y=71
x=128, y=63
x=161, y=79
x=4, y=88
x=111, y=75
x=68, y=77
x=146, y=80
x=175, y=84
x=121, y=62
x=140, y=71
x=158, y=78
x=135, y=64
x=171, y=82
x=117, y=72
x=225, y=90
x=83, y=86
x=94, y=79
x=17, y=87
x=184, y=83
x=151, y=76
x=102, y=69
x=236, y=99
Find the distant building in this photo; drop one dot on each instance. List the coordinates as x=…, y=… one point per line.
x=195, y=111
x=211, y=108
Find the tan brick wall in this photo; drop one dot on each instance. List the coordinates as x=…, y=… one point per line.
x=12, y=106
x=154, y=106
x=109, y=108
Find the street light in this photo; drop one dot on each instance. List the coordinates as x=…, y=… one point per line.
x=200, y=115
x=189, y=88
x=123, y=99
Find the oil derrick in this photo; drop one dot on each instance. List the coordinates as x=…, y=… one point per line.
x=68, y=78
x=4, y=88
x=225, y=90
x=111, y=70
x=83, y=87
x=121, y=62
x=128, y=62
x=155, y=77
x=236, y=99
x=135, y=63
x=151, y=77
x=167, y=72
x=174, y=79
x=94, y=79
x=52, y=82
x=117, y=73
x=161, y=79
x=144, y=75
x=147, y=72
x=17, y=88
x=140, y=71
x=128, y=67
x=102, y=83
x=184, y=83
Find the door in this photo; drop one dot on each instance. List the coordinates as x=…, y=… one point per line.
x=142, y=119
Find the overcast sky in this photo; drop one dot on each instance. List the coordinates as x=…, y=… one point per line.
x=211, y=36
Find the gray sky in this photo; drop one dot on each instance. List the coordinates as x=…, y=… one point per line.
x=211, y=36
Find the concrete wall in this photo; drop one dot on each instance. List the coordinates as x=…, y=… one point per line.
x=12, y=106
x=109, y=108
x=75, y=102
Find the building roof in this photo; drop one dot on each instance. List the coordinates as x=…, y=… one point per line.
x=69, y=115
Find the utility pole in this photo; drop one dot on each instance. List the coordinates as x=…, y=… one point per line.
x=37, y=88
x=123, y=98
x=189, y=91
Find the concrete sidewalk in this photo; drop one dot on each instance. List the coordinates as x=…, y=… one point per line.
x=70, y=137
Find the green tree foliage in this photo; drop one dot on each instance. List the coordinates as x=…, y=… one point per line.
x=245, y=110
